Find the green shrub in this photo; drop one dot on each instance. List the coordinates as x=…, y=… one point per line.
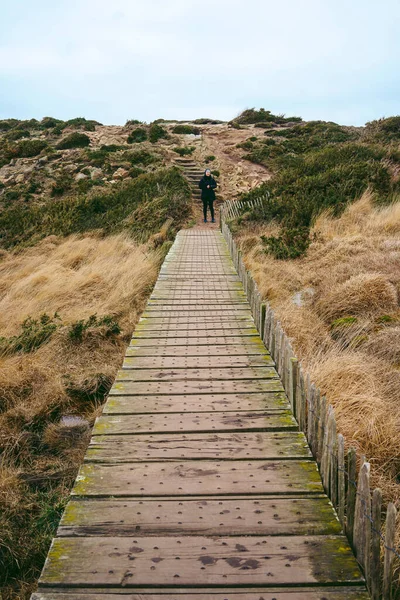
x=384, y=130
x=17, y=134
x=35, y=333
x=209, y=158
x=12, y=195
x=5, y=125
x=105, y=326
x=135, y=172
x=251, y=115
x=137, y=135
x=216, y=173
x=81, y=123
x=27, y=148
x=185, y=151
x=111, y=148
x=133, y=122
x=157, y=132
x=50, y=122
x=34, y=187
x=207, y=122
x=186, y=129
x=291, y=243
x=140, y=157
x=160, y=195
x=247, y=145
x=62, y=184
x=74, y=140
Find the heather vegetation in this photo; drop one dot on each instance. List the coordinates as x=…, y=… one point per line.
x=139, y=206
x=318, y=166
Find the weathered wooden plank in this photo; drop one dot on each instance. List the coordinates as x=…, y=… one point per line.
x=223, y=339
x=160, y=334
x=169, y=295
x=239, y=349
x=190, y=328
x=207, y=478
x=320, y=593
x=243, y=516
x=270, y=401
x=187, y=422
x=188, y=560
x=213, y=373
x=124, y=388
x=199, y=362
x=171, y=311
x=196, y=303
x=205, y=446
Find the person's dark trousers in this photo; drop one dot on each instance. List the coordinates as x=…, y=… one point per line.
x=210, y=204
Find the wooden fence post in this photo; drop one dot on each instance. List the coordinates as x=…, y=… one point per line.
x=390, y=530
x=375, y=560
x=293, y=374
x=340, y=478
x=321, y=428
x=302, y=401
x=263, y=314
x=362, y=528
x=351, y=492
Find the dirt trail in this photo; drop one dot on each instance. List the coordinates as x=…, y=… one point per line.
x=236, y=174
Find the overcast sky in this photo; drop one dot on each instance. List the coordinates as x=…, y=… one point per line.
x=115, y=60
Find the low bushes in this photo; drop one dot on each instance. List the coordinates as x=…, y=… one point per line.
x=157, y=132
x=26, y=149
x=137, y=135
x=152, y=197
x=186, y=151
x=34, y=333
x=317, y=166
x=251, y=116
x=186, y=129
x=74, y=140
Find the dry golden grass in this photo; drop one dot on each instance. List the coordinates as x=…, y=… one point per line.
x=351, y=270
x=40, y=452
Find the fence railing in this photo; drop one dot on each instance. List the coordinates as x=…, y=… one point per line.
x=232, y=209
x=359, y=511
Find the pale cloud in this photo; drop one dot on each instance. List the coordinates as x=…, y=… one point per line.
x=185, y=58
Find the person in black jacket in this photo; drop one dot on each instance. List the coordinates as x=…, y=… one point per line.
x=207, y=184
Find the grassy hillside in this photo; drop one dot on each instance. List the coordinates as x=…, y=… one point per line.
x=84, y=226
x=318, y=166
x=325, y=250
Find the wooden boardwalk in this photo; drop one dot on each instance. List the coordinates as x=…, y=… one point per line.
x=197, y=483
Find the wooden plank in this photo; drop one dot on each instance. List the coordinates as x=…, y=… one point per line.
x=205, y=446
x=240, y=349
x=124, y=388
x=187, y=422
x=271, y=401
x=171, y=311
x=320, y=593
x=243, y=516
x=211, y=333
x=206, y=478
x=213, y=373
x=190, y=328
x=199, y=362
x=188, y=560
x=223, y=340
